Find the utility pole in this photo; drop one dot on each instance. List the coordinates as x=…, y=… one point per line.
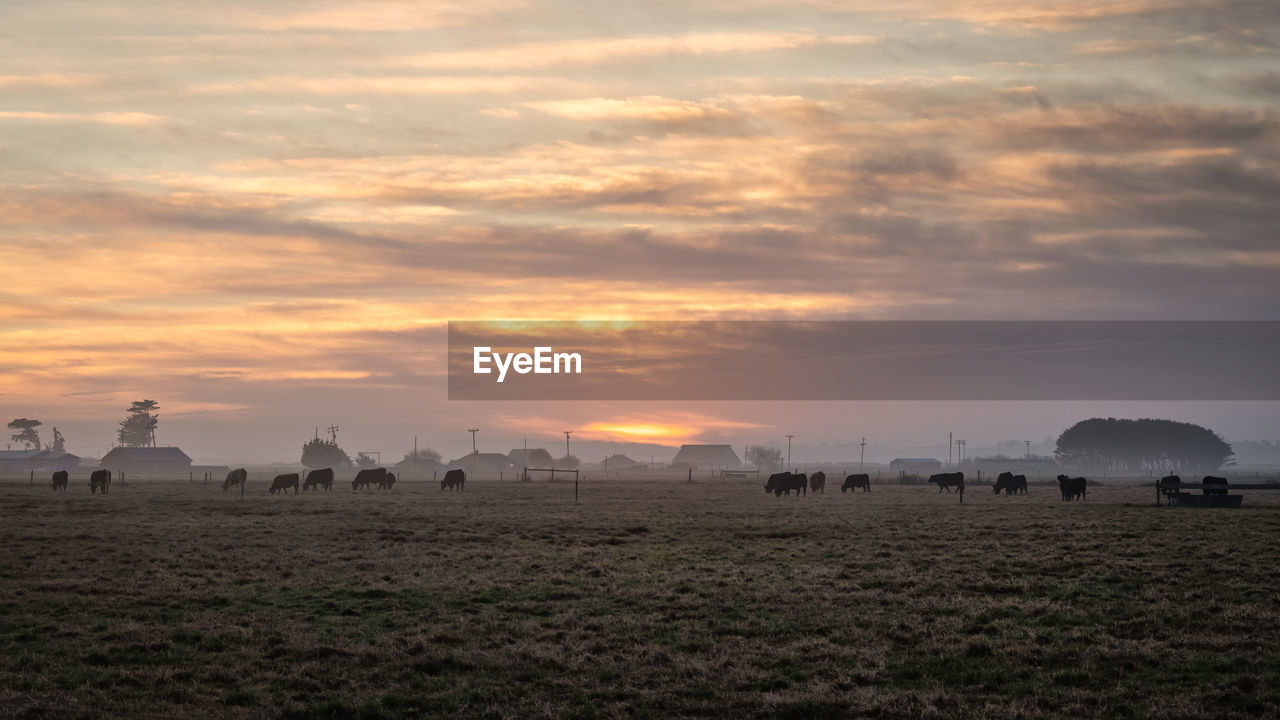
x=473, y=432
x=333, y=434
x=862, y=453
x=567, y=433
x=1028, y=442
x=950, y=442
x=789, y=468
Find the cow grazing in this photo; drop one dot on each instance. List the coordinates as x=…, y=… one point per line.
x=60, y=480
x=284, y=482
x=818, y=483
x=319, y=479
x=99, y=480
x=235, y=477
x=784, y=482
x=1219, y=485
x=369, y=476
x=454, y=479
x=387, y=482
x=946, y=481
x=861, y=480
x=1011, y=484
x=1072, y=488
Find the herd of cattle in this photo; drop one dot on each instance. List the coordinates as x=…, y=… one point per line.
x=784, y=483
x=780, y=484
x=454, y=479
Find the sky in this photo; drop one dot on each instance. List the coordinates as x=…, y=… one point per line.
x=262, y=214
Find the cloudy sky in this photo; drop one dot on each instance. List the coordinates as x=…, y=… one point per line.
x=261, y=214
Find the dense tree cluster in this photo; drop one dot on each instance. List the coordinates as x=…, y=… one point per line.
x=320, y=453
x=1142, y=446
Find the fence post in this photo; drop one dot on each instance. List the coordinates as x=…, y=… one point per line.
x=33, y=478
x=575, y=488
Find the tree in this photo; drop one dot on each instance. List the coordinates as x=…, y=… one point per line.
x=59, y=445
x=568, y=462
x=319, y=453
x=763, y=456
x=138, y=429
x=425, y=455
x=1142, y=446
x=26, y=434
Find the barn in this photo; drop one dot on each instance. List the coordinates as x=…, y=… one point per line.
x=148, y=461
x=480, y=464
x=707, y=457
x=534, y=458
x=25, y=461
x=920, y=467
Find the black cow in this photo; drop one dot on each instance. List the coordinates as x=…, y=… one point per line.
x=387, y=481
x=235, y=477
x=99, y=480
x=454, y=480
x=284, y=482
x=369, y=476
x=818, y=483
x=861, y=480
x=60, y=480
x=317, y=479
x=946, y=481
x=1072, y=488
x=1011, y=484
x=1219, y=485
x=784, y=482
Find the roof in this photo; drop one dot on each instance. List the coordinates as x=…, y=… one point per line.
x=914, y=460
x=707, y=455
x=492, y=461
x=20, y=454
x=620, y=458
x=519, y=457
x=148, y=455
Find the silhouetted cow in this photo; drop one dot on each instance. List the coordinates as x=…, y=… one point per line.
x=1219, y=485
x=1072, y=488
x=60, y=480
x=317, y=479
x=818, y=483
x=369, y=476
x=1011, y=484
x=284, y=482
x=784, y=482
x=387, y=482
x=99, y=480
x=861, y=480
x=454, y=479
x=236, y=477
x=946, y=481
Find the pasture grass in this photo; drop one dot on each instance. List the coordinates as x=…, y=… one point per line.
x=654, y=599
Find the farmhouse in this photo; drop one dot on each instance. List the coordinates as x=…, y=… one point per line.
x=707, y=457
x=534, y=458
x=484, y=464
x=22, y=461
x=915, y=466
x=148, y=461
x=619, y=463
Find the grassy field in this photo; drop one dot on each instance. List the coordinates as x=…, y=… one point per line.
x=645, y=600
